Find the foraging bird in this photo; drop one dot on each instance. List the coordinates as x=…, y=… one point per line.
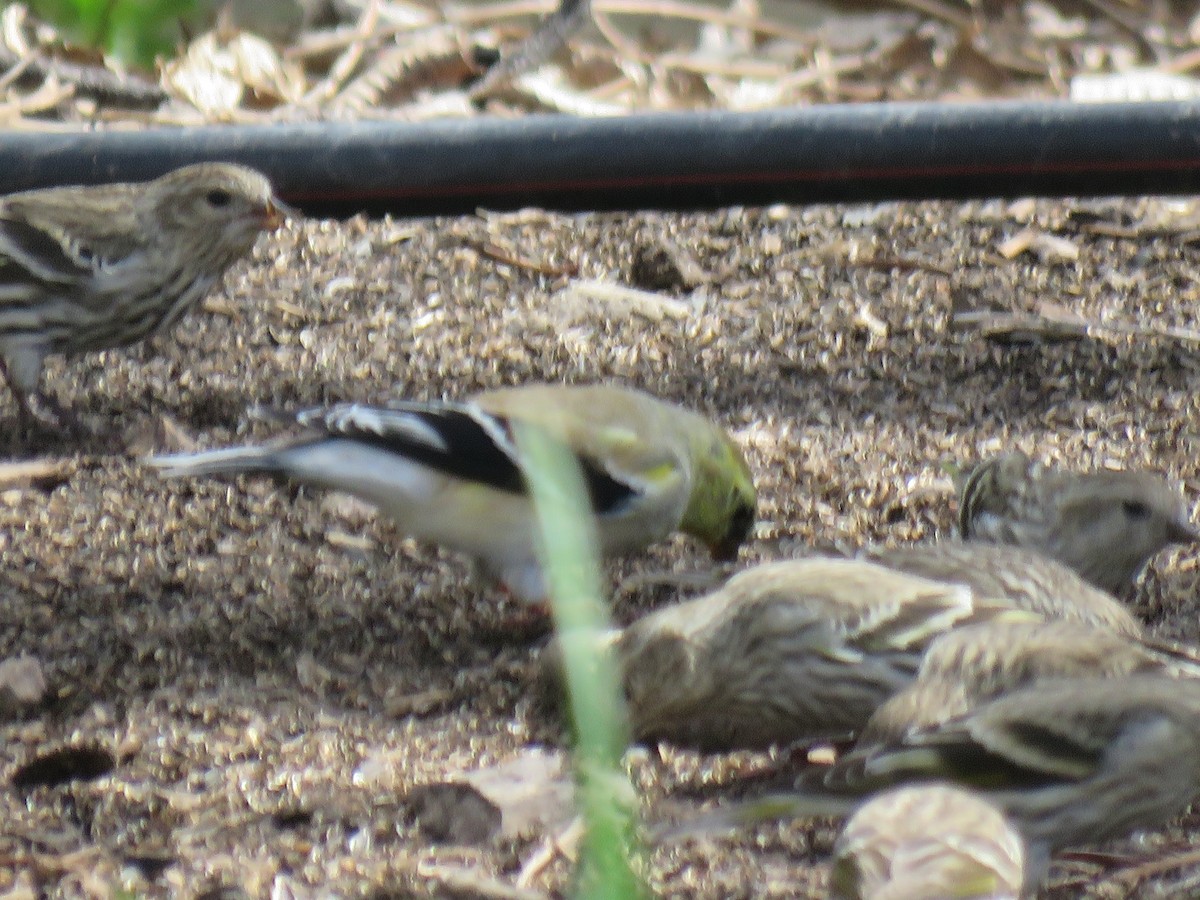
x=1105, y=524
x=810, y=649
x=1069, y=762
x=1022, y=576
x=91, y=268
x=786, y=651
x=450, y=473
x=970, y=665
x=925, y=841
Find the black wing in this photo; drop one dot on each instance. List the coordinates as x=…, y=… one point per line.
x=459, y=440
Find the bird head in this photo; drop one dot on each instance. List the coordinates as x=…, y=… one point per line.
x=218, y=204
x=721, y=508
x=1109, y=524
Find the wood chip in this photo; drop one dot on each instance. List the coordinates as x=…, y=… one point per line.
x=565, y=844
x=43, y=473
x=454, y=881
x=22, y=685
x=420, y=703
x=493, y=249
x=1046, y=247
x=582, y=296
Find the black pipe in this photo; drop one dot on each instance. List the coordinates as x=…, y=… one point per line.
x=676, y=161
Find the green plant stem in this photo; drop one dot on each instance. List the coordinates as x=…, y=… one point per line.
x=572, y=566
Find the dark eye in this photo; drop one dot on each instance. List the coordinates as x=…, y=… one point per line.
x=1136, y=509
x=218, y=198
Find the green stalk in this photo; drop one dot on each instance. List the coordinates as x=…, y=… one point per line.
x=572, y=567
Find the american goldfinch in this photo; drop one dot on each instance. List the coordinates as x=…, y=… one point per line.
x=975, y=663
x=786, y=651
x=450, y=472
x=90, y=268
x=1104, y=524
x=928, y=841
x=1025, y=577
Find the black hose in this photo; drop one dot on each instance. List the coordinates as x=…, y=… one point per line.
x=677, y=161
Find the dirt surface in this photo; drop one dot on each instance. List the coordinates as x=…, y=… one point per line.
x=272, y=670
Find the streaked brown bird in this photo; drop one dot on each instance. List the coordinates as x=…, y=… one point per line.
x=92, y=268
x=1069, y=762
x=786, y=651
x=928, y=841
x=973, y=664
x=1024, y=577
x=1105, y=525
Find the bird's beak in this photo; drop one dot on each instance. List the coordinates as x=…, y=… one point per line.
x=1183, y=532
x=725, y=550
x=277, y=213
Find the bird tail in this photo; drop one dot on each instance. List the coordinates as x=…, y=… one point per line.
x=1179, y=659
x=748, y=813
x=228, y=461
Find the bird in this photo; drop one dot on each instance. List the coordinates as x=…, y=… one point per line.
x=1023, y=576
x=785, y=651
x=810, y=649
x=1069, y=762
x=449, y=472
x=972, y=664
x=87, y=268
x=925, y=841
x=1105, y=525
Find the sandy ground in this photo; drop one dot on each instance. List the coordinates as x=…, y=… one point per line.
x=272, y=670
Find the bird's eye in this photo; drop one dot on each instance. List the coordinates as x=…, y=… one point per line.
x=218, y=198
x=1136, y=509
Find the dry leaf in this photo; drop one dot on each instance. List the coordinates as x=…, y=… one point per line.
x=215, y=77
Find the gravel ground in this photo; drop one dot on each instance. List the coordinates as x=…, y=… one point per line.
x=273, y=669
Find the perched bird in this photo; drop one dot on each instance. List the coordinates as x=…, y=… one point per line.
x=786, y=651
x=1069, y=762
x=970, y=665
x=1024, y=577
x=90, y=268
x=1105, y=524
x=928, y=841
x=450, y=472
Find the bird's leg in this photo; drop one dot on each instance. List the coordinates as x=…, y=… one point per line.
x=523, y=618
x=525, y=601
x=21, y=368
x=46, y=412
x=40, y=411
x=527, y=621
